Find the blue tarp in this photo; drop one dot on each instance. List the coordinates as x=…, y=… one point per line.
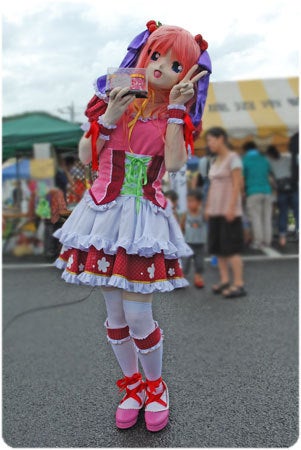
x=193, y=163
x=11, y=172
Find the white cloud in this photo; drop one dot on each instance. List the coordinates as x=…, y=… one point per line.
x=53, y=51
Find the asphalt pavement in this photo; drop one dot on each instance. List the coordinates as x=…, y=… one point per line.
x=231, y=365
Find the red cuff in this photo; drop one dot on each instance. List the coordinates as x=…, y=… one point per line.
x=118, y=333
x=150, y=341
x=106, y=131
x=176, y=114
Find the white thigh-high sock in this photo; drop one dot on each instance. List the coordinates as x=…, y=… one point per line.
x=124, y=348
x=114, y=305
x=139, y=318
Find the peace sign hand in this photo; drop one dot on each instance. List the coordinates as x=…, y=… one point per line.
x=182, y=92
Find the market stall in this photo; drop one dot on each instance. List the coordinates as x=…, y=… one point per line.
x=264, y=110
x=21, y=132
x=31, y=142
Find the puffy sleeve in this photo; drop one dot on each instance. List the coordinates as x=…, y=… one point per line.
x=236, y=162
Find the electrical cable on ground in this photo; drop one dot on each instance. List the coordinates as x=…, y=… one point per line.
x=43, y=308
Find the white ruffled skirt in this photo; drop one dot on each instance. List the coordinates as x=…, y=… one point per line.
x=122, y=244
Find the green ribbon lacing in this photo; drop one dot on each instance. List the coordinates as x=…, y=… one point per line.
x=135, y=177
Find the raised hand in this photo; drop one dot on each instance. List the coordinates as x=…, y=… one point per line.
x=119, y=100
x=182, y=92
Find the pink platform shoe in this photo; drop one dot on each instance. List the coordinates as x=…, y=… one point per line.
x=156, y=405
x=129, y=407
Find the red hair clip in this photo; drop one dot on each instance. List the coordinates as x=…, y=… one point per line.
x=201, y=42
x=152, y=25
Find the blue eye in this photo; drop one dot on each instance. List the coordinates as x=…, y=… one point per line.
x=177, y=67
x=155, y=56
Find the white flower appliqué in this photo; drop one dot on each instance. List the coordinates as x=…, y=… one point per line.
x=103, y=265
x=70, y=261
x=171, y=272
x=81, y=267
x=151, y=270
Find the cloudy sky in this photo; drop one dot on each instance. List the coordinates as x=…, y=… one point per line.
x=53, y=51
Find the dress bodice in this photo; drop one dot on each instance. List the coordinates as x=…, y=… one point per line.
x=147, y=137
x=115, y=160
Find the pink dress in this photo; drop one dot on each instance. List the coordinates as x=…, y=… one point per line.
x=123, y=232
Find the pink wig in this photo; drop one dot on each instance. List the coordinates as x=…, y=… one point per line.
x=182, y=44
x=184, y=49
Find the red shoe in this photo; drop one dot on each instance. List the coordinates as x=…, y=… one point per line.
x=156, y=405
x=198, y=281
x=128, y=409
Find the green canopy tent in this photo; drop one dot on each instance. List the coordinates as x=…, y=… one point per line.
x=20, y=132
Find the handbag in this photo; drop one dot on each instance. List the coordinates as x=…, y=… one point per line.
x=284, y=184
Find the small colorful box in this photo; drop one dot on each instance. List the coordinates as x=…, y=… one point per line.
x=132, y=77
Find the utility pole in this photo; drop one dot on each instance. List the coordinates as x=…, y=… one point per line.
x=72, y=113
x=69, y=110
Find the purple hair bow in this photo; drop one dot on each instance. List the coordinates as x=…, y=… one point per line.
x=129, y=60
x=197, y=110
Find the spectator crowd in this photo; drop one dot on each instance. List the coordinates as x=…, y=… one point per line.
x=234, y=201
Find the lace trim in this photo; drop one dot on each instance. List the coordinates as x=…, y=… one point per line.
x=85, y=126
x=118, y=341
x=176, y=106
x=104, y=137
x=100, y=94
x=148, y=350
x=122, y=283
x=175, y=120
x=108, y=126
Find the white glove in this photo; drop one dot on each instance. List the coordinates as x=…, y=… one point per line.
x=119, y=100
x=182, y=92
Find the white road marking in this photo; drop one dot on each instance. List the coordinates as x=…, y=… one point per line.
x=277, y=256
x=271, y=252
x=27, y=266
x=268, y=257
x=265, y=257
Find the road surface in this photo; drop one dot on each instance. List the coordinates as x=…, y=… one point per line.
x=231, y=365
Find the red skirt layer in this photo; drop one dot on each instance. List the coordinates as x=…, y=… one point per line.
x=130, y=272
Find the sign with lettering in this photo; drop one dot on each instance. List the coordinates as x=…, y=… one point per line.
x=250, y=105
